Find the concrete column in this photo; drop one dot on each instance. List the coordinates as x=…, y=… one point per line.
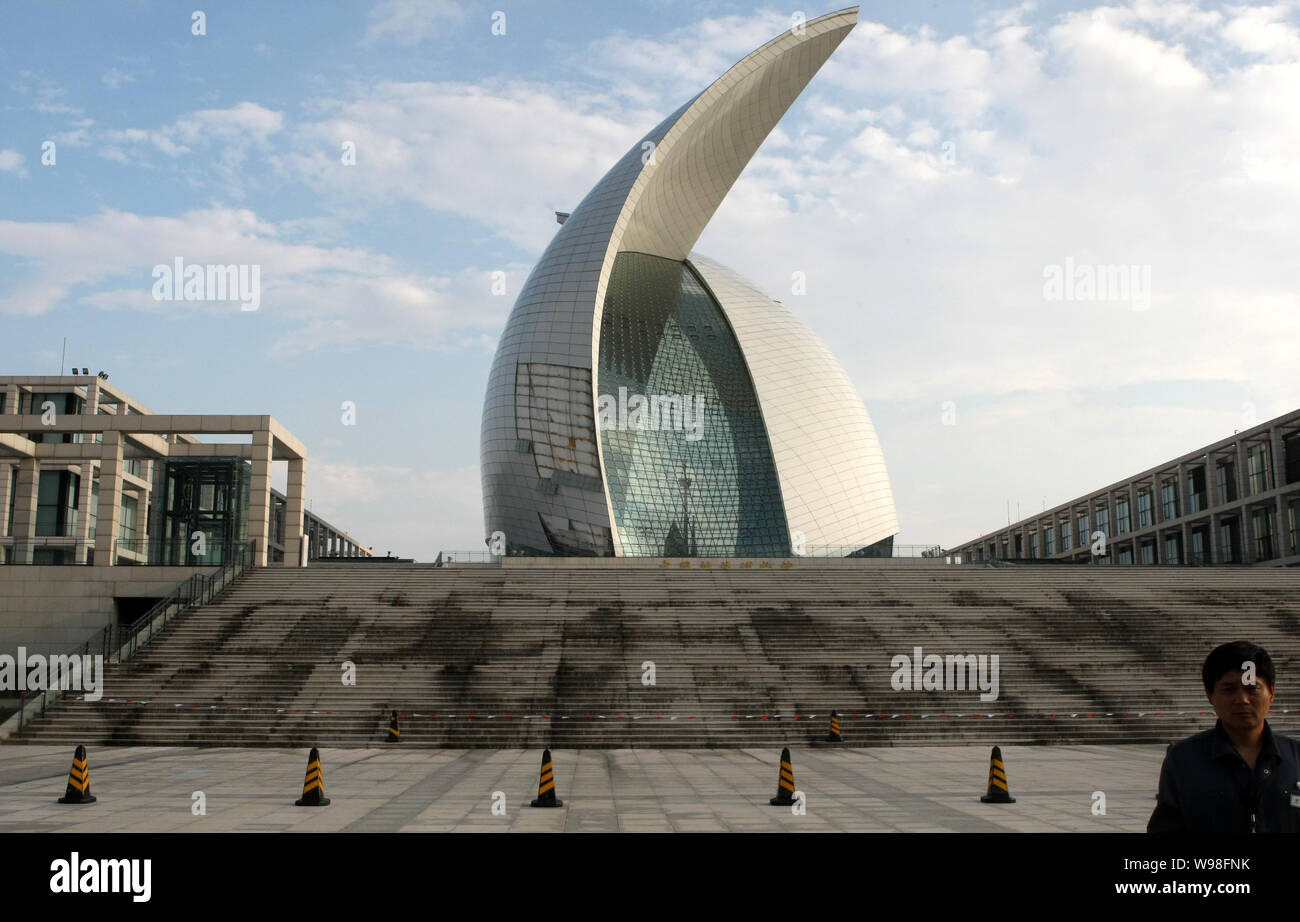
x=110, y=499
x=25, y=500
x=84, y=537
x=259, y=497
x=1216, y=556
x=1282, y=536
x=11, y=398
x=6, y=486
x=1239, y=471
x=294, y=492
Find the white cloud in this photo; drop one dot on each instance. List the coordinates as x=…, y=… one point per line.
x=114, y=78
x=329, y=295
x=409, y=22
x=12, y=162
x=502, y=156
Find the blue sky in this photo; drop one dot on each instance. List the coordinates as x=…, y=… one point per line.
x=945, y=158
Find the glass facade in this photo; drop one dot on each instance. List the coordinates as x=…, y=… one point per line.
x=686, y=455
x=209, y=496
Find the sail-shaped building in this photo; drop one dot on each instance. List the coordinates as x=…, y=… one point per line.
x=647, y=401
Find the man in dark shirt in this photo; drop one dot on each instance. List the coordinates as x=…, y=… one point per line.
x=1240, y=776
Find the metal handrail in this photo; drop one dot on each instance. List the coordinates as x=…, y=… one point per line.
x=198, y=589
x=101, y=640
x=120, y=644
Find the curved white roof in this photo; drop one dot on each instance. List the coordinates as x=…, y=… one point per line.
x=828, y=459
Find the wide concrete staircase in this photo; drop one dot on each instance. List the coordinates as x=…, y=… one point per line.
x=558, y=655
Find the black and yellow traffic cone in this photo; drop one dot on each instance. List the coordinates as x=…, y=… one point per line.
x=78, y=791
x=998, y=793
x=394, y=731
x=785, y=782
x=546, y=784
x=313, y=786
x=833, y=734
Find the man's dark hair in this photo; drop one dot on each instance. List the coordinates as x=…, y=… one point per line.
x=1229, y=657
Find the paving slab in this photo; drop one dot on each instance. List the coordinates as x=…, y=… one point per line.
x=386, y=789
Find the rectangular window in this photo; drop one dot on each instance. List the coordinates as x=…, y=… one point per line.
x=93, y=512
x=1228, y=544
x=1144, y=510
x=1169, y=499
x=1033, y=541
x=1263, y=522
x=1049, y=539
x=1172, y=555
x=1122, y=526
x=56, y=504
x=1257, y=469
x=1196, y=490
x=1148, y=553
x=1293, y=512
x=1198, y=555
x=1125, y=555
x=1101, y=515
x=127, y=527
x=1225, y=482
x=1291, y=452
x=1065, y=535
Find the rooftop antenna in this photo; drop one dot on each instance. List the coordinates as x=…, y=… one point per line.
x=64, y=357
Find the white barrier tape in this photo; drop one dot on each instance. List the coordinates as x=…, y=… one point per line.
x=846, y=716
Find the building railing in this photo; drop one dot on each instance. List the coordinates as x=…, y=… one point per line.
x=46, y=551
x=176, y=552
x=119, y=643
x=913, y=551
x=154, y=552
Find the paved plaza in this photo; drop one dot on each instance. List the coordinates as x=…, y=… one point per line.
x=904, y=789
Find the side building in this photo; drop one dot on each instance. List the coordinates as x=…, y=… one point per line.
x=1236, y=502
x=89, y=475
